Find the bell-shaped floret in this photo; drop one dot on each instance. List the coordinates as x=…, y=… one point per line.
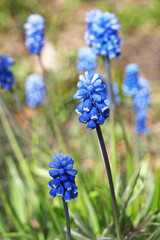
x=80, y=108
x=63, y=177
x=87, y=105
x=54, y=173
x=74, y=195
x=91, y=125
x=94, y=115
x=60, y=191
x=56, y=182
x=84, y=118
x=100, y=120
x=72, y=172
x=68, y=185
x=52, y=192
x=74, y=188
x=67, y=196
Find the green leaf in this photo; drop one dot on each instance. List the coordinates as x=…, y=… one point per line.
x=17, y=190
x=83, y=226
x=78, y=235
x=17, y=235
x=156, y=202
x=90, y=207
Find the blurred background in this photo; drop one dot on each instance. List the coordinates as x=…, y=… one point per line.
x=65, y=28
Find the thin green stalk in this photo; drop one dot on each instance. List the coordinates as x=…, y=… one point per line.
x=113, y=123
x=55, y=124
x=108, y=169
x=139, y=147
x=118, y=116
x=65, y=206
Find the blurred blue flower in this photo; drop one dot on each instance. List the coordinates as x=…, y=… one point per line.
x=131, y=84
x=34, y=30
x=6, y=75
x=35, y=90
x=92, y=92
x=86, y=60
x=102, y=33
x=140, y=121
x=141, y=99
x=63, y=182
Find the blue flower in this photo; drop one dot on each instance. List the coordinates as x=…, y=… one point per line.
x=34, y=30
x=140, y=121
x=63, y=182
x=131, y=84
x=92, y=92
x=102, y=33
x=141, y=99
x=35, y=90
x=6, y=76
x=86, y=60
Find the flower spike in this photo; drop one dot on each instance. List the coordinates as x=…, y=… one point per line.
x=63, y=182
x=92, y=92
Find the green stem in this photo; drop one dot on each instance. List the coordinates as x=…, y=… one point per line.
x=55, y=125
x=65, y=206
x=108, y=169
x=118, y=114
x=112, y=117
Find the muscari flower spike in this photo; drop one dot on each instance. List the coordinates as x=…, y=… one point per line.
x=131, y=81
x=140, y=123
x=86, y=60
x=35, y=90
x=102, y=33
x=6, y=75
x=34, y=31
x=141, y=100
x=63, y=182
x=92, y=92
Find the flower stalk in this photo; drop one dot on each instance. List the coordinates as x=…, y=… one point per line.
x=113, y=103
x=112, y=109
x=52, y=114
x=65, y=206
x=108, y=169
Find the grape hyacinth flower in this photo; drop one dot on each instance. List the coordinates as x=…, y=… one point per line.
x=140, y=123
x=6, y=75
x=86, y=60
x=35, y=90
x=141, y=99
x=34, y=30
x=131, y=83
x=63, y=182
x=92, y=92
x=102, y=33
